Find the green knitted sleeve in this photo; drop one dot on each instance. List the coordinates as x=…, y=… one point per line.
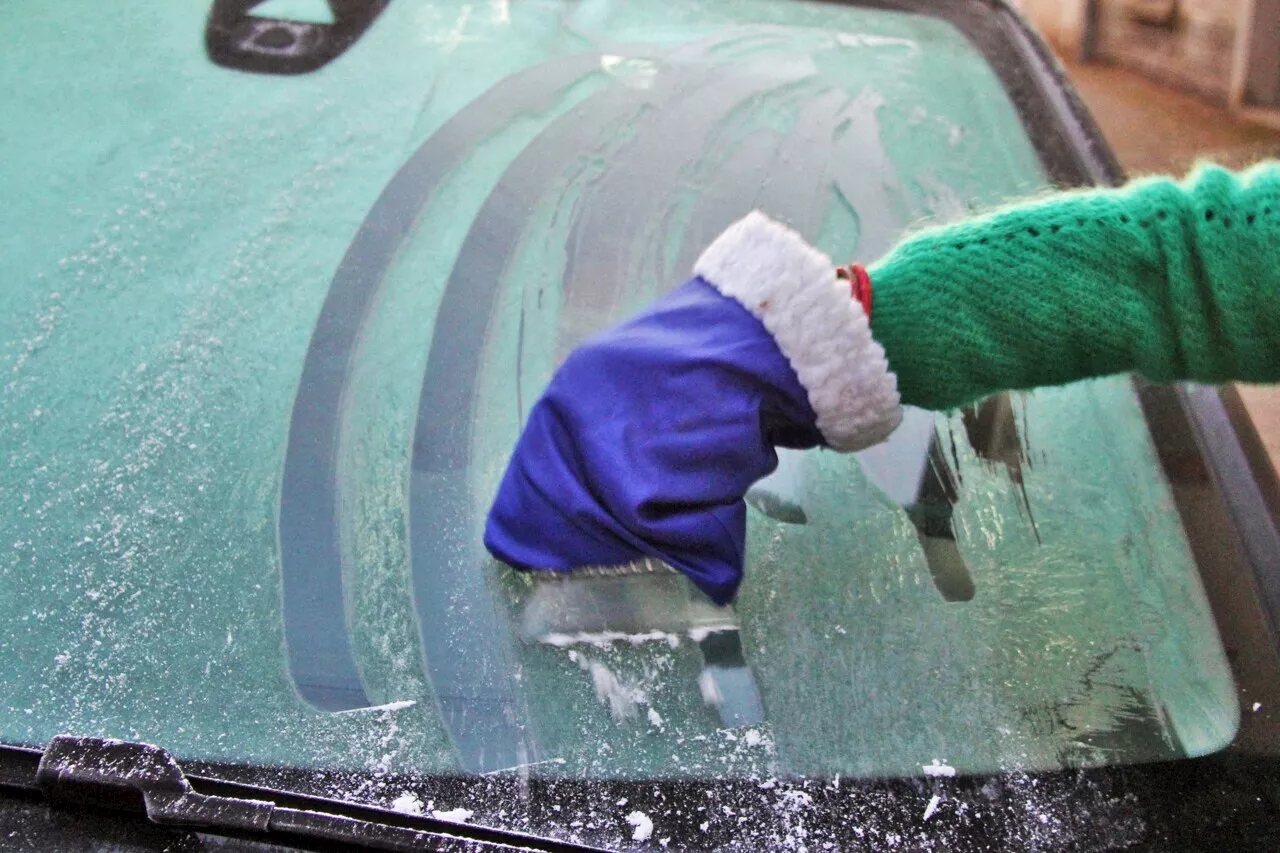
x=1172, y=280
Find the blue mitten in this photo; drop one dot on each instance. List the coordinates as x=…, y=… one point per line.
x=649, y=434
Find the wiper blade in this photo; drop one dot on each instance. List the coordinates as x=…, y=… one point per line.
x=147, y=780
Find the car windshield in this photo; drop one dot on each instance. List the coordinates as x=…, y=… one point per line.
x=282, y=280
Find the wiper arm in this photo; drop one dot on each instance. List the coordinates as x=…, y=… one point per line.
x=145, y=779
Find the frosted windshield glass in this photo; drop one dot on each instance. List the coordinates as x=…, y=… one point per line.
x=268, y=339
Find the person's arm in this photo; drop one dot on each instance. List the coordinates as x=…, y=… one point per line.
x=650, y=434
x=1176, y=281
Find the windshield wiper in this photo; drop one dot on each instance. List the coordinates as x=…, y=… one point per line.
x=145, y=780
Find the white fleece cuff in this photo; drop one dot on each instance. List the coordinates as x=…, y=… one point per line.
x=820, y=328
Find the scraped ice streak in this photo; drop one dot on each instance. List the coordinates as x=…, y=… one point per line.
x=464, y=634
x=390, y=706
x=320, y=658
x=604, y=639
x=616, y=267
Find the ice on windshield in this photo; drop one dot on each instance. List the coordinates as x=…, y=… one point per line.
x=268, y=341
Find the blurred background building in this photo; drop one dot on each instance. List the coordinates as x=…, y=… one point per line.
x=1225, y=51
